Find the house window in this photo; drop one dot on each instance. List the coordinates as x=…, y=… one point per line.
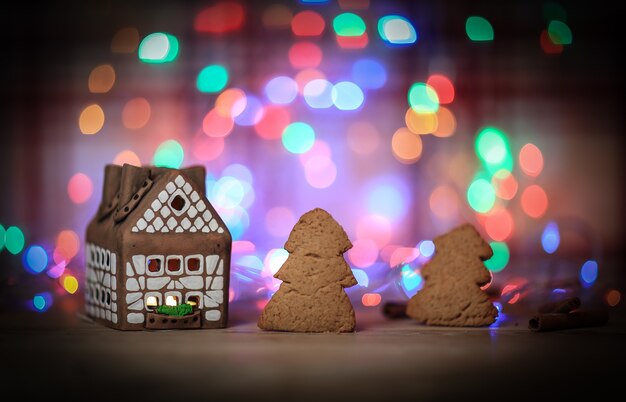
x=193, y=300
x=174, y=264
x=108, y=297
x=178, y=203
x=154, y=265
x=152, y=302
x=193, y=264
x=171, y=300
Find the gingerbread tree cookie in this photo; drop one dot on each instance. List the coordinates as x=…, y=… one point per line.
x=451, y=295
x=311, y=297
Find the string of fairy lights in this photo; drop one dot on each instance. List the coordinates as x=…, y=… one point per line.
x=505, y=181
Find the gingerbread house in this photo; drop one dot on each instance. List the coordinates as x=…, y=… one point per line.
x=156, y=240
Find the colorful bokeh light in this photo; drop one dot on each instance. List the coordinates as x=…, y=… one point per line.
x=349, y=24
x=158, y=48
x=500, y=258
x=298, y=137
x=101, y=79
x=369, y=73
x=42, y=302
x=481, y=195
x=35, y=259
x=534, y=201
x=406, y=146
x=318, y=94
x=212, y=79
x=136, y=113
x=221, y=18
x=560, y=33
x=281, y=90
x=70, y=284
x=423, y=98
x=396, y=30
x=531, y=160
x=169, y=154
x=550, y=237
x=307, y=23
x=478, y=29
x=14, y=240
x=79, y=188
x=91, y=119
x=589, y=273
x=443, y=86
x=371, y=299
x=347, y=95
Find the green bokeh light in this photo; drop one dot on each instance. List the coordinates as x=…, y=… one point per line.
x=500, y=257
x=298, y=137
x=158, y=48
x=423, y=98
x=492, y=147
x=348, y=24
x=481, y=195
x=169, y=154
x=478, y=29
x=14, y=240
x=2, y=238
x=212, y=78
x=559, y=33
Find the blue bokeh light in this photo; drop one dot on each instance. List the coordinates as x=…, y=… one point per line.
x=42, y=302
x=369, y=73
x=252, y=113
x=281, y=90
x=411, y=280
x=550, y=238
x=388, y=197
x=426, y=248
x=589, y=273
x=35, y=259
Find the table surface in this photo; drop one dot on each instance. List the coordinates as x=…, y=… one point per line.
x=71, y=357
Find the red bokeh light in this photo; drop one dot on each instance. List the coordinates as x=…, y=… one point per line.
x=223, y=17
x=443, y=86
x=305, y=55
x=273, y=122
x=307, y=23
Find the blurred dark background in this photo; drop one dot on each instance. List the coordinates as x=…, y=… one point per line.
x=567, y=100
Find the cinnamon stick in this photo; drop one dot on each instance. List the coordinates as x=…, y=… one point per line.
x=576, y=319
x=561, y=306
x=394, y=309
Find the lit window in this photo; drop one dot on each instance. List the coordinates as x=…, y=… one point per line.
x=171, y=300
x=193, y=300
x=152, y=302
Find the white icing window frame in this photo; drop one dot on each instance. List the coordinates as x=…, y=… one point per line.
x=200, y=257
x=159, y=297
x=161, y=270
x=181, y=193
x=180, y=266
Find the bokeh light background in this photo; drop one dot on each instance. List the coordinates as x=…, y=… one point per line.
x=402, y=119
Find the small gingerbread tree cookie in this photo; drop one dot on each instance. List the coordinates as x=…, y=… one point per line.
x=451, y=295
x=311, y=297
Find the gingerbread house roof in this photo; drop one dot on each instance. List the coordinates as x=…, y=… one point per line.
x=158, y=200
